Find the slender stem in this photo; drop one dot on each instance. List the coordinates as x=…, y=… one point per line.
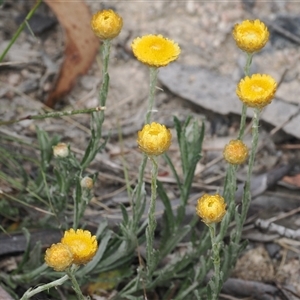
x=20, y=29
x=75, y=284
x=97, y=118
x=229, y=195
x=137, y=195
x=151, y=221
x=44, y=287
x=247, y=195
x=248, y=64
x=244, y=108
x=55, y=114
x=153, y=82
x=243, y=122
x=105, y=82
x=216, y=260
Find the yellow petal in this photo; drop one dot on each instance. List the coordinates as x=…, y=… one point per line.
x=257, y=91
x=155, y=50
x=82, y=244
x=59, y=257
x=211, y=208
x=154, y=139
x=251, y=35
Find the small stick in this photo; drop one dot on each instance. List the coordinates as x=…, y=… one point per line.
x=55, y=115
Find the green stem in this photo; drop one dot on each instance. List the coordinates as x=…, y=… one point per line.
x=247, y=195
x=243, y=122
x=105, y=58
x=44, y=287
x=248, y=64
x=153, y=83
x=76, y=287
x=20, y=29
x=229, y=196
x=216, y=260
x=150, y=231
x=244, y=108
x=56, y=114
x=137, y=194
x=97, y=118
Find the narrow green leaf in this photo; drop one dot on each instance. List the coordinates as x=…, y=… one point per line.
x=26, y=252
x=169, y=162
x=124, y=214
x=178, y=128
x=167, y=204
x=169, y=245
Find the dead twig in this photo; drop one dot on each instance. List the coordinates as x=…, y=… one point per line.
x=281, y=230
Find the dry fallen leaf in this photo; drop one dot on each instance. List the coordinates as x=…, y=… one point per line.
x=81, y=45
x=292, y=180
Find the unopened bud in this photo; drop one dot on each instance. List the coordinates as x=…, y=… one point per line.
x=61, y=150
x=87, y=183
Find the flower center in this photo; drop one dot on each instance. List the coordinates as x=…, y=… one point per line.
x=257, y=89
x=154, y=132
x=156, y=47
x=210, y=204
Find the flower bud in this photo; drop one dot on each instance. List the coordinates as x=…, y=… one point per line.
x=211, y=208
x=106, y=24
x=61, y=150
x=59, y=257
x=236, y=152
x=87, y=183
x=154, y=139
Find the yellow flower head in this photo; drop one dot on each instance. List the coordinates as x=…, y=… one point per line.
x=106, y=24
x=236, y=152
x=251, y=35
x=257, y=91
x=82, y=244
x=211, y=208
x=59, y=257
x=155, y=50
x=154, y=139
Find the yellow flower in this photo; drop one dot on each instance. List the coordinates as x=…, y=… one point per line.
x=59, y=257
x=251, y=35
x=106, y=24
x=211, y=208
x=154, y=139
x=236, y=152
x=60, y=150
x=256, y=91
x=155, y=50
x=82, y=244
